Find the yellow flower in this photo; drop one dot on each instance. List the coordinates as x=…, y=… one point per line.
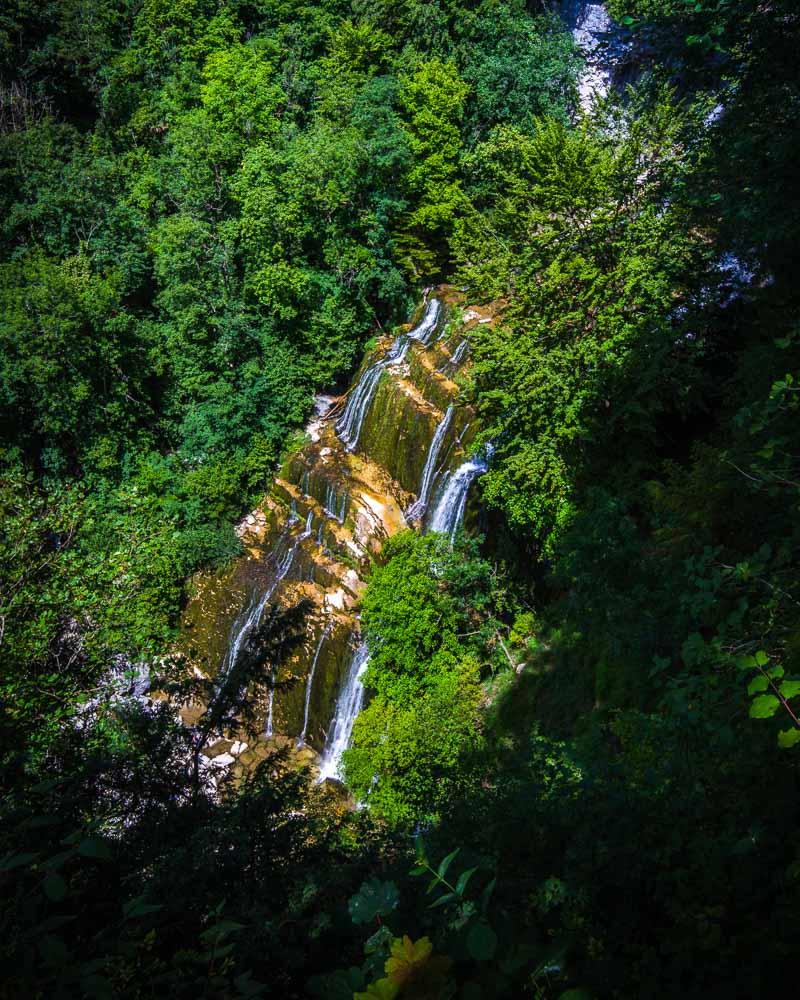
x=407, y=957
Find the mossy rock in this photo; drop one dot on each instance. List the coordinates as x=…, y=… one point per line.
x=397, y=433
x=333, y=660
x=422, y=366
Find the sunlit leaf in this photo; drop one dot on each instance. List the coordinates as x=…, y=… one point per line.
x=790, y=688
x=764, y=706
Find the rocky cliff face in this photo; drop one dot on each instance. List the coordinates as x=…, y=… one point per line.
x=399, y=432
x=610, y=57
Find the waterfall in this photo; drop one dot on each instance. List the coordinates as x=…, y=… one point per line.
x=457, y=357
x=449, y=510
x=593, y=22
x=349, y=425
x=284, y=554
x=284, y=565
x=428, y=323
x=360, y=507
x=460, y=353
x=310, y=683
x=417, y=509
x=348, y=705
x=242, y=627
x=332, y=502
x=605, y=46
x=270, y=727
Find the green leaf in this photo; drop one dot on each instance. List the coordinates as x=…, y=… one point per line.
x=481, y=941
x=764, y=706
x=53, y=950
x=447, y=898
x=761, y=658
x=775, y=672
x=790, y=688
x=380, y=941
x=247, y=986
x=94, y=847
x=445, y=863
x=487, y=893
x=463, y=878
x=374, y=898
x=16, y=861
x=37, y=822
x=788, y=737
x=758, y=683
x=138, y=908
x=57, y=861
x=97, y=987
x=221, y=929
x=55, y=888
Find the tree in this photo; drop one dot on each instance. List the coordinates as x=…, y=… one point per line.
x=433, y=99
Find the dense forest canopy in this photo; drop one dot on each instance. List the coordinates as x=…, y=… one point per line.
x=581, y=725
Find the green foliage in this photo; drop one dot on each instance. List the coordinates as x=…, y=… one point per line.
x=205, y=208
x=427, y=614
x=373, y=900
x=433, y=100
x=97, y=903
x=576, y=235
x=202, y=216
x=67, y=348
x=397, y=767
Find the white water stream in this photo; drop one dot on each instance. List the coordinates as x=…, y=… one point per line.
x=417, y=509
x=348, y=706
x=451, y=503
x=310, y=683
x=349, y=425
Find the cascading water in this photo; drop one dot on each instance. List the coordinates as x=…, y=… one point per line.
x=322, y=484
x=349, y=425
x=605, y=46
x=309, y=685
x=334, y=505
x=460, y=353
x=284, y=554
x=452, y=363
x=283, y=568
x=448, y=513
x=348, y=706
x=417, y=509
x=428, y=323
